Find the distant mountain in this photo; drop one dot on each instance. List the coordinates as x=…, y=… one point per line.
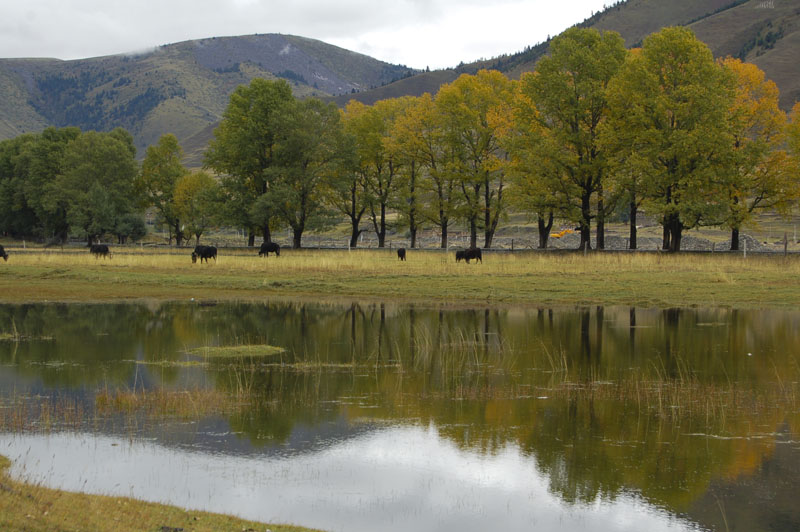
x=179, y=88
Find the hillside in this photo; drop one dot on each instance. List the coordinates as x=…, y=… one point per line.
x=180, y=88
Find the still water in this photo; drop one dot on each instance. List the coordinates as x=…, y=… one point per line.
x=388, y=417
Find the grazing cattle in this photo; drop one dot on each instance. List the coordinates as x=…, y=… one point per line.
x=401, y=253
x=460, y=255
x=204, y=253
x=3, y=253
x=269, y=247
x=473, y=253
x=99, y=250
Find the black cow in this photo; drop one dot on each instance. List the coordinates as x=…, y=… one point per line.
x=473, y=253
x=401, y=253
x=3, y=253
x=99, y=250
x=269, y=247
x=204, y=253
x=460, y=255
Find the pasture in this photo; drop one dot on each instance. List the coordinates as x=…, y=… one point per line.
x=529, y=278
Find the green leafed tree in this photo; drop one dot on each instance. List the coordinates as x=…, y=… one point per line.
x=161, y=170
x=243, y=151
x=196, y=202
x=305, y=155
x=97, y=183
x=671, y=101
x=569, y=91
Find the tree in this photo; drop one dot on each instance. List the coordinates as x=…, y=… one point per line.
x=196, y=201
x=420, y=137
x=307, y=135
x=161, y=171
x=97, y=183
x=346, y=189
x=759, y=177
x=29, y=165
x=671, y=101
x=466, y=107
x=376, y=158
x=408, y=199
x=243, y=150
x=532, y=176
x=569, y=91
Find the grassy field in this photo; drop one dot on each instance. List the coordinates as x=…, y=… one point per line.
x=530, y=278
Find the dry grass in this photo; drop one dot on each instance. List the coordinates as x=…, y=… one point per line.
x=649, y=279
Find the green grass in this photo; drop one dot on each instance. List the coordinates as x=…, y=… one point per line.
x=236, y=351
x=642, y=279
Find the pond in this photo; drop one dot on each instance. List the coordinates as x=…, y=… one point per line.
x=371, y=416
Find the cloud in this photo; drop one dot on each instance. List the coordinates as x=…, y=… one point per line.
x=419, y=33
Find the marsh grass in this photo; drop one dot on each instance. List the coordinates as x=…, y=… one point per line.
x=33, y=507
x=651, y=279
x=236, y=351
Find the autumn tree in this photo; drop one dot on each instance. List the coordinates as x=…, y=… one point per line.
x=672, y=101
x=242, y=150
x=420, y=137
x=161, y=170
x=465, y=107
x=409, y=192
x=377, y=161
x=759, y=175
x=569, y=90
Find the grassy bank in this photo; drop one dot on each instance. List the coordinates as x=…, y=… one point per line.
x=645, y=279
x=33, y=508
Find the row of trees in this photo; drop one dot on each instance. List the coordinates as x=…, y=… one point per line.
x=596, y=131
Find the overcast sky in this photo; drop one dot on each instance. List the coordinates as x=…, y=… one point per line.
x=417, y=33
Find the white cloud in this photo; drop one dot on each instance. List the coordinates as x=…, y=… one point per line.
x=418, y=33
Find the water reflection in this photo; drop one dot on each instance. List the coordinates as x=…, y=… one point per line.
x=594, y=404
x=398, y=478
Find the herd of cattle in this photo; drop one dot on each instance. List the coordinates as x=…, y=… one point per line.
x=210, y=252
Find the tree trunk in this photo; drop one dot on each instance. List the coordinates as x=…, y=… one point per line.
x=665, y=241
x=412, y=208
x=354, y=234
x=443, y=245
x=601, y=221
x=544, y=230
x=178, y=233
x=634, y=209
x=297, y=235
x=675, y=233
x=267, y=233
x=251, y=237
x=735, y=239
x=586, y=217
x=382, y=231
